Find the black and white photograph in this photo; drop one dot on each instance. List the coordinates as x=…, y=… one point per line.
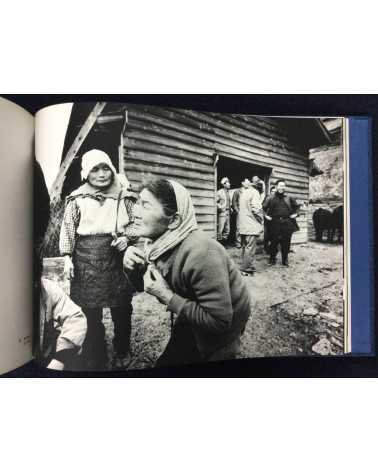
x=188, y=236
x=172, y=236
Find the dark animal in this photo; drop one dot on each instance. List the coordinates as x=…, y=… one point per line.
x=330, y=222
x=323, y=221
x=338, y=223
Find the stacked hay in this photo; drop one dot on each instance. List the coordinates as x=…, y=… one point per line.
x=327, y=190
x=50, y=245
x=328, y=186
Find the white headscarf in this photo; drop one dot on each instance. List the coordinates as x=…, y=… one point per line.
x=92, y=159
x=124, y=181
x=172, y=237
x=119, y=188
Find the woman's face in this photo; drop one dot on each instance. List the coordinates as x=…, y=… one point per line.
x=150, y=219
x=100, y=176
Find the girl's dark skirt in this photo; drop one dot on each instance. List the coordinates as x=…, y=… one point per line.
x=99, y=281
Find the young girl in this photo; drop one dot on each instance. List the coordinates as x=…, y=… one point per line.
x=96, y=229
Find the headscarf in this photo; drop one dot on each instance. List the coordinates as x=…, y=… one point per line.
x=172, y=237
x=124, y=181
x=90, y=160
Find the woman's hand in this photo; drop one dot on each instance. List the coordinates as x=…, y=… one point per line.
x=156, y=285
x=120, y=243
x=68, y=267
x=267, y=217
x=133, y=259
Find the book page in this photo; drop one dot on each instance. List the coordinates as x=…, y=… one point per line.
x=16, y=151
x=264, y=193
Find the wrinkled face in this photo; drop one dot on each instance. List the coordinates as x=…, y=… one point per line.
x=281, y=187
x=150, y=219
x=101, y=176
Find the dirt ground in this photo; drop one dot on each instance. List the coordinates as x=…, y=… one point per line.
x=292, y=308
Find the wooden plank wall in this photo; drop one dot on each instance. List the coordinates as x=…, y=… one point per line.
x=181, y=144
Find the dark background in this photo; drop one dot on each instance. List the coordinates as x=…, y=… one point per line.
x=300, y=105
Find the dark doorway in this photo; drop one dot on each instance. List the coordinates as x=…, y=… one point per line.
x=237, y=171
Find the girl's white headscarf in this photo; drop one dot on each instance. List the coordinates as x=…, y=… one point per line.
x=120, y=183
x=172, y=237
x=92, y=159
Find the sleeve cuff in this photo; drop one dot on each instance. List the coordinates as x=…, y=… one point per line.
x=64, y=344
x=176, y=304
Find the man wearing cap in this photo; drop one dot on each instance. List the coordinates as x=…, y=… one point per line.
x=259, y=185
x=250, y=225
x=224, y=208
x=245, y=183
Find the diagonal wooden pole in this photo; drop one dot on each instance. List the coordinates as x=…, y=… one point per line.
x=57, y=187
x=50, y=245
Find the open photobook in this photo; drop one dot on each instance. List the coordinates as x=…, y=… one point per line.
x=165, y=237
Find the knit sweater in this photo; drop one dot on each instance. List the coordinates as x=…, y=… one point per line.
x=209, y=291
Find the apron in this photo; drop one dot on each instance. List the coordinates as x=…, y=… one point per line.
x=99, y=281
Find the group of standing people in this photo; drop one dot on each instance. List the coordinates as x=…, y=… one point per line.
x=185, y=270
x=272, y=215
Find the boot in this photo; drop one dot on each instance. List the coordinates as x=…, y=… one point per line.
x=121, y=362
x=272, y=260
x=285, y=262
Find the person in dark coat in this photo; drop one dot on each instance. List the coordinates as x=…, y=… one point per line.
x=267, y=237
x=281, y=213
x=188, y=272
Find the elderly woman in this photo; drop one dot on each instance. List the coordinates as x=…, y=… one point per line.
x=96, y=229
x=188, y=272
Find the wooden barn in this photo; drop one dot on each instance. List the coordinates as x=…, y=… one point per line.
x=197, y=149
